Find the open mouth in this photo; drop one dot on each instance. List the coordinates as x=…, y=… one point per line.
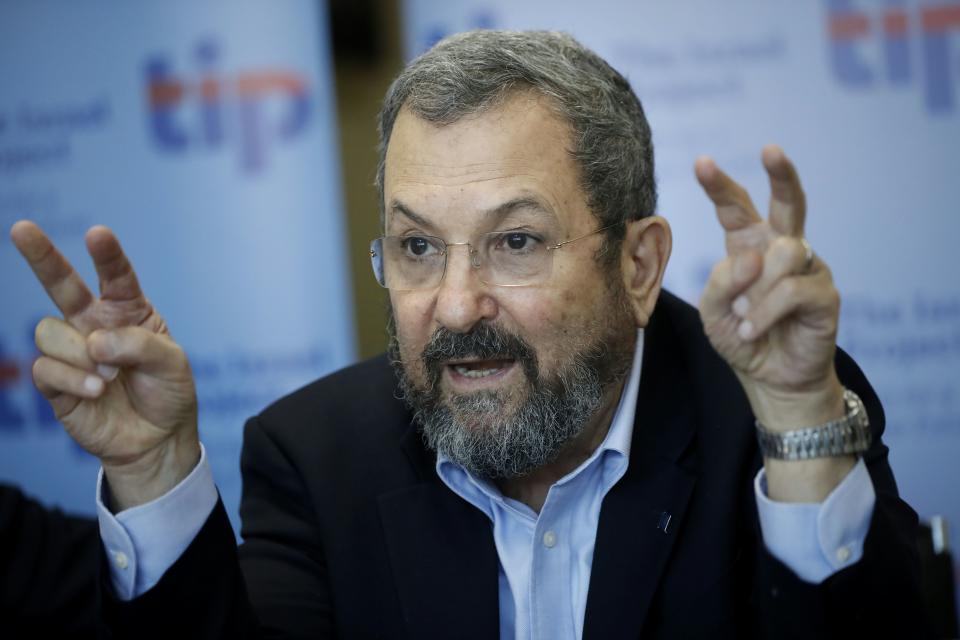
x=476, y=369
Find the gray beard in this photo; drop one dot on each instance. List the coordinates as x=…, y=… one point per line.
x=478, y=431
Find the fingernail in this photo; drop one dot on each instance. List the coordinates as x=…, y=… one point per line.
x=741, y=305
x=93, y=384
x=745, y=330
x=108, y=372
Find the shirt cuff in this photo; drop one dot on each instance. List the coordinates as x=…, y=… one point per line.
x=816, y=540
x=144, y=541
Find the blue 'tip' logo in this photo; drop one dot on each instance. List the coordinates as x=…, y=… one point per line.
x=248, y=111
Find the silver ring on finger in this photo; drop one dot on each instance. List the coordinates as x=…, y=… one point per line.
x=808, y=256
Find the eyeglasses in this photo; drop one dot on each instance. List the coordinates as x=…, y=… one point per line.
x=502, y=258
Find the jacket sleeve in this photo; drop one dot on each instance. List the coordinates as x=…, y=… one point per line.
x=48, y=570
x=273, y=586
x=879, y=596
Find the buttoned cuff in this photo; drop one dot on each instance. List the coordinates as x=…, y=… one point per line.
x=144, y=541
x=816, y=540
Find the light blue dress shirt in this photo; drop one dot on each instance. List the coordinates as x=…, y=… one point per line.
x=545, y=558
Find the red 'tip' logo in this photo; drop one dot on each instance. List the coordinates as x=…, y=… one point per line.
x=863, y=45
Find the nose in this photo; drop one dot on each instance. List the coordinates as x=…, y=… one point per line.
x=463, y=299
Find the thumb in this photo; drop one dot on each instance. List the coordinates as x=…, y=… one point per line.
x=138, y=348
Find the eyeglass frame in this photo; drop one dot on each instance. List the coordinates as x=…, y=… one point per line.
x=474, y=262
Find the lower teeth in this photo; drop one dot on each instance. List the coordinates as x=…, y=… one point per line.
x=475, y=373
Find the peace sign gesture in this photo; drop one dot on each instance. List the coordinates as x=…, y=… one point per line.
x=120, y=385
x=770, y=307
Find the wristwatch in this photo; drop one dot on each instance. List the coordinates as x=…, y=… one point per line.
x=844, y=436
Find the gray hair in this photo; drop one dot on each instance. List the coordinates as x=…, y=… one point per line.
x=473, y=71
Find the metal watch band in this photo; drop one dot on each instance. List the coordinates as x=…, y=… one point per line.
x=847, y=435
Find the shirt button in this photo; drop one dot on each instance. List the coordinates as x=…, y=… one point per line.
x=120, y=559
x=549, y=539
x=843, y=554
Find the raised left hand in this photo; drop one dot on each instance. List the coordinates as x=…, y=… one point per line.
x=770, y=308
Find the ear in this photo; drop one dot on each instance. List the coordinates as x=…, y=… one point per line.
x=644, y=255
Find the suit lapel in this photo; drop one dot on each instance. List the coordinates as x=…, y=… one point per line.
x=642, y=515
x=443, y=557
x=639, y=522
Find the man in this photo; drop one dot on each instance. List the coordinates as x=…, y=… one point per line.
x=557, y=450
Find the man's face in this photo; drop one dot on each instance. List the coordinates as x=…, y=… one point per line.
x=502, y=377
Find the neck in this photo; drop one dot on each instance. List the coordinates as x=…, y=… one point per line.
x=532, y=488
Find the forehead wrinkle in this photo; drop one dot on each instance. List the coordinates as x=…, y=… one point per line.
x=480, y=171
x=452, y=182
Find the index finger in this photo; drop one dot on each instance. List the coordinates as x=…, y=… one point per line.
x=788, y=204
x=735, y=209
x=61, y=281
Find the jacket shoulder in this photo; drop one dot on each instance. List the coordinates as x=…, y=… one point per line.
x=361, y=396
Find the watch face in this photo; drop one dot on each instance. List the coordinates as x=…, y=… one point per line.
x=856, y=412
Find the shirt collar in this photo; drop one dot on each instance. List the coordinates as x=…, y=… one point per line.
x=620, y=434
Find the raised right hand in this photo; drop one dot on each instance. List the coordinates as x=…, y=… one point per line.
x=120, y=385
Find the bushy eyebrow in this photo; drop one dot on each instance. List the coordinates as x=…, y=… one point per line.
x=527, y=203
x=398, y=207
x=499, y=212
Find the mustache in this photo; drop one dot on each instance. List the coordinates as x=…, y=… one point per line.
x=484, y=342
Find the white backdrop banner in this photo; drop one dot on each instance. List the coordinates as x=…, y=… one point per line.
x=865, y=98
x=204, y=134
